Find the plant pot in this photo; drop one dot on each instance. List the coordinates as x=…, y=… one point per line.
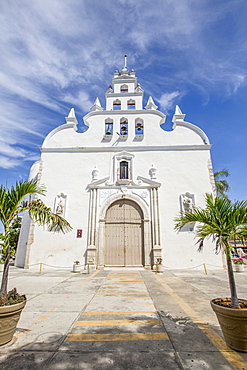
x=76, y=268
x=233, y=323
x=9, y=317
x=238, y=267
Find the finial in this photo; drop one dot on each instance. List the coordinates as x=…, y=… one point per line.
x=124, y=68
x=178, y=116
x=96, y=106
x=150, y=104
x=125, y=61
x=72, y=113
x=71, y=117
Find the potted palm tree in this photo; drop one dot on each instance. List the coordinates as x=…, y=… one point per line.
x=221, y=220
x=12, y=203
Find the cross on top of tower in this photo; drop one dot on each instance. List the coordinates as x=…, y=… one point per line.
x=124, y=68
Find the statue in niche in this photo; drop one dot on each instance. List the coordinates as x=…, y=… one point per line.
x=60, y=208
x=152, y=173
x=188, y=204
x=95, y=174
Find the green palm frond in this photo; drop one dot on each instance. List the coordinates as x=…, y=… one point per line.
x=43, y=215
x=11, y=199
x=12, y=203
x=221, y=220
x=221, y=185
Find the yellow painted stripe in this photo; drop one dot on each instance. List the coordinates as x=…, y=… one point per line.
x=131, y=298
x=91, y=276
x=121, y=281
x=125, y=293
x=115, y=337
x=231, y=356
x=88, y=278
x=118, y=322
x=117, y=312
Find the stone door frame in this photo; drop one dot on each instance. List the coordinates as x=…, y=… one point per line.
x=147, y=240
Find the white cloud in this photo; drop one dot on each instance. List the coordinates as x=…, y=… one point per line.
x=81, y=99
x=7, y=163
x=58, y=53
x=11, y=151
x=167, y=100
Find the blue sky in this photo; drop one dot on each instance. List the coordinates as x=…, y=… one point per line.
x=60, y=54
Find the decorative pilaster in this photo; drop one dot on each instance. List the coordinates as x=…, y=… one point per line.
x=91, y=249
x=155, y=224
x=101, y=249
x=147, y=243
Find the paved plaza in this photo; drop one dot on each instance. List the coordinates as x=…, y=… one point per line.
x=121, y=319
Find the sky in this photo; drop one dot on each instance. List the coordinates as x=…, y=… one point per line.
x=61, y=54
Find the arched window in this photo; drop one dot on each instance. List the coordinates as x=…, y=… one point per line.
x=139, y=127
x=108, y=126
x=131, y=104
x=124, y=88
x=124, y=170
x=117, y=104
x=123, y=126
x=123, y=163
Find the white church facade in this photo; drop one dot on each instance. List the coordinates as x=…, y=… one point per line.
x=120, y=184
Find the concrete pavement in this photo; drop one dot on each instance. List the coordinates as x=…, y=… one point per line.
x=120, y=319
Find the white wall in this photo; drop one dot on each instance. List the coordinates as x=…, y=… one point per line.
x=181, y=158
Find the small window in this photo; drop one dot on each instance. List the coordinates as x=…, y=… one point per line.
x=139, y=126
x=117, y=105
x=124, y=89
x=108, y=128
x=131, y=104
x=124, y=127
x=124, y=170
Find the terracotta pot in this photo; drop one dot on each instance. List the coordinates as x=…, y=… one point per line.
x=238, y=267
x=233, y=323
x=76, y=267
x=9, y=317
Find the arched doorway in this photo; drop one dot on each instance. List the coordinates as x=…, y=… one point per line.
x=124, y=234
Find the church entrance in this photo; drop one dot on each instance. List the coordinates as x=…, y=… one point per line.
x=124, y=234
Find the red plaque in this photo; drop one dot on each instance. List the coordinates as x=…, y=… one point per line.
x=79, y=233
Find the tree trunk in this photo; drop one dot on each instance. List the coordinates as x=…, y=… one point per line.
x=233, y=289
x=5, y=275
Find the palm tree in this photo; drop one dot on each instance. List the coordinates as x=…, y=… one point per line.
x=12, y=203
x=221, y=220
x=221, y=185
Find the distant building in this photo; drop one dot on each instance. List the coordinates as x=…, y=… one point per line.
x=120, y=184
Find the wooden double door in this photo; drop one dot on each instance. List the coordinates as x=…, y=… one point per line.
x=124, y=234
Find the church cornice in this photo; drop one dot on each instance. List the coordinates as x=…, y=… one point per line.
x=127, y=148
x=127, y=94
x=124, y=113
x=123, y=78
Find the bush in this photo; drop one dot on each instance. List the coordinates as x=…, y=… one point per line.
x=12, y=297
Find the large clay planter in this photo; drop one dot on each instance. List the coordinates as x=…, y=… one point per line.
x=233, y=323
x=9, y=317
